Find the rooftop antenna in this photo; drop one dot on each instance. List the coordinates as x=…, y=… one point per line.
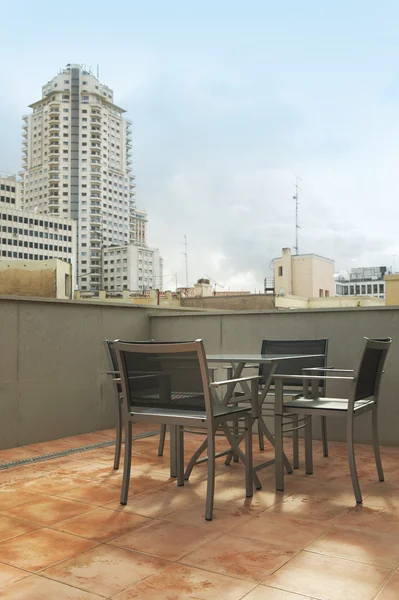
x=98, y=71
x=297, y=227
x=185, y=256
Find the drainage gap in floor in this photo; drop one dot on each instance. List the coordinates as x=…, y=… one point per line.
x=35, y=459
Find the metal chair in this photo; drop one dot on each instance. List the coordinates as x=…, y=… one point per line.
x=169, y=383
x=363, y=397
x=114, y=373
x=293, y=387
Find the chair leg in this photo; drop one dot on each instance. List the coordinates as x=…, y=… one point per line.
x=210, y=489
x=118, y=438
x=295, y=442
x=279, y=452
x=352, y=462
x=194, y=458
x=376, y=444
x=261, y=440
x=324, y=435
x=249, y=474
x=180, y=455
x=308, y=446
x=173, y=447
x=236, y=433
x=162, y=440
x=127, y=463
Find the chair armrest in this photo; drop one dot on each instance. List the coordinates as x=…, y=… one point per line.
x=218, y=383
x=307, y=377
x=112, y=372
x=328, y=369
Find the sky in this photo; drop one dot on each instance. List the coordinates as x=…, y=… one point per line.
x=230, y=101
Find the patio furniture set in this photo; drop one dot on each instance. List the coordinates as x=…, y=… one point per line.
x=173, y=384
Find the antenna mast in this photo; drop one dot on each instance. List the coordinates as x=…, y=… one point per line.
x=185, y=256
x=297, y=227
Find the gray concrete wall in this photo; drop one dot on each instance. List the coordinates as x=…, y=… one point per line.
x=53, y=363
x=345, y=328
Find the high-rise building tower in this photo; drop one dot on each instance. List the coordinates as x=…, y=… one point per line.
x=77, y=163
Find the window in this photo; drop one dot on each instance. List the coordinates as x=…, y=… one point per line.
x=326, y=293
x=321, y=293
x=363, y=289
x=352, y=290
x=280, y=271
x=375, y=288
x=381, y=288
x=369, y=289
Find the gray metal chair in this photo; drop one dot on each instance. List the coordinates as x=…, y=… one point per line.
x=114, y=373
x=363, y=397
x=293, y=388
x=169, y=383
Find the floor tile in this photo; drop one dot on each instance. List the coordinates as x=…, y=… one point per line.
x=47, y=510
x=390, y=591
x=363, y=545
x=263, y=592
x=311, y=508
x=10, y=497
x=160, y=502
x=35, y=587
x=9, y=575
x=94, y=493
x=105, y=570
x=286, y=531
x=179, y=582
x=166, y=540
x=51, y=484
x=239, y=557
x=39, y=549
x=102, y=524
x=222, y=520
x=374, y=518
x=10, y=528
x=328, y=578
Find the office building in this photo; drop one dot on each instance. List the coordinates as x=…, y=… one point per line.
x=362, y=281
x=132, y=268
x=10, y=192
x=31, y=236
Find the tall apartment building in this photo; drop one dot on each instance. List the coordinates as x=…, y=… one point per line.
x=10, y=192
x=140, y=226
x=77, y=164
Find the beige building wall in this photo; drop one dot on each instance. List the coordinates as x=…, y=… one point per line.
x=306, y=275
x=42, y=279
x=392, y=290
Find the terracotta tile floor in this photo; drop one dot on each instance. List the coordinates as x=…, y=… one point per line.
x=64, y=535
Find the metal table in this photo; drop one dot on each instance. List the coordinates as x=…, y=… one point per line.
x=237, y=363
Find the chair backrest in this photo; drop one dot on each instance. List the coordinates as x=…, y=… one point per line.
x=164, y=375
x=371, y=368
x=112, y=360
x=293, y=347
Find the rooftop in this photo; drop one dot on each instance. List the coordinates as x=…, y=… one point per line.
x=64, y=535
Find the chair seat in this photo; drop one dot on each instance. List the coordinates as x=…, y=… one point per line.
x=200, y=415
x=333, y=404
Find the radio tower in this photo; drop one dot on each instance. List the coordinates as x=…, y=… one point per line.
x=297, y=227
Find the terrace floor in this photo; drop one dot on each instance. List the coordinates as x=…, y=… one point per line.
x=64, y=535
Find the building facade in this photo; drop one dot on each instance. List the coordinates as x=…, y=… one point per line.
x=31, y=236
x=10, y=192
x=305, y=275
x=77, y=164
x=133, y=268
x=140, y=227
x=43, y=279
x=362, y=281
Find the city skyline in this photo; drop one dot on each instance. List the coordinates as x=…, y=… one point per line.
x=227, y=104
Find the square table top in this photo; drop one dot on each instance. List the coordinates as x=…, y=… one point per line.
x=257, y=358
